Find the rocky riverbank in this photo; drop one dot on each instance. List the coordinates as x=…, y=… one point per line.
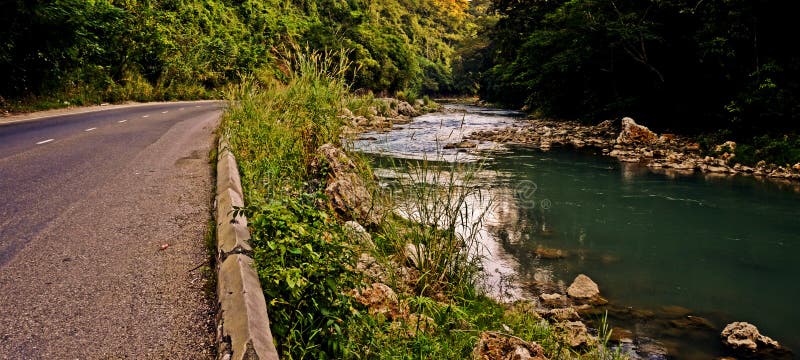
x=381, y=114
x=633, y=143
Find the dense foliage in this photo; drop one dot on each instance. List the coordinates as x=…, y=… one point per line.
x=676, y=64
x=114, y=50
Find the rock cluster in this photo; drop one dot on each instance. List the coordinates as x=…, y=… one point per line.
x=494, y=346
x=630, y=142
x=386, y=113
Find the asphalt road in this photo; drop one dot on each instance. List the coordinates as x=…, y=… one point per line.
x=87, y=201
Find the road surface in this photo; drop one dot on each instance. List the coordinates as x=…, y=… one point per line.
x=87, y=202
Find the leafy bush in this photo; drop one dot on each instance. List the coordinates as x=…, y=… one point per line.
x=305, y=264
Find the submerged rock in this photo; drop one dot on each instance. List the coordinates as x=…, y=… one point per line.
x=690, y=321
x=620, y=335
x=550, y=253
x=583, y=288
x=553, y=299
x=742, y=336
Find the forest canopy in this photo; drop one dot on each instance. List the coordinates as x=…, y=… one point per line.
x=142, y=50
x=683, y=65
x=679, y=65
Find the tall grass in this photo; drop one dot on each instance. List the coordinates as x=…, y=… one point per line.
x=303, y=258
x=446, y=206
x=276, y=126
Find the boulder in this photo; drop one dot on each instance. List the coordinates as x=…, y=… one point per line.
x=742, y=336
x=635, y=134
x=346, y=190
x=583, y=288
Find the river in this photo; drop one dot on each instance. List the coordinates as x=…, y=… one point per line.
x=677, y=257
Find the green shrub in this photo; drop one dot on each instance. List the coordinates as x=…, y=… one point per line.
x=305, y=264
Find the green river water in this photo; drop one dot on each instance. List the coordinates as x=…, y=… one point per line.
x=678, y=257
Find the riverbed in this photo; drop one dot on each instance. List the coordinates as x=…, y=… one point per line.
x=677, y=257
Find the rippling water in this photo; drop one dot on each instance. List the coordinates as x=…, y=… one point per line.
x=721, y=249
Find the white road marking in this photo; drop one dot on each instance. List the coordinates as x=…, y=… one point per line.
x=164, y=112
x=146, y=116
x=197, y=106
x=181, y=109
x=91, y=129
x=44, y=141
x=122, y=121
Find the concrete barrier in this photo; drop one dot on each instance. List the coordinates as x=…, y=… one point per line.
x=242, y=321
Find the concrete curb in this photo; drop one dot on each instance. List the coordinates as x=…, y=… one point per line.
x=242, y=322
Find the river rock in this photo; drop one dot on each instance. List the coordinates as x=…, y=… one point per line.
x=583, y=288
x=494, y=346
x=562, y=314
x=620, y=335
x=553, y=299
x=728, y=146
x=576, y=334
x=406, y=109
x=346, y=190
x=744, y=336
x=635, y=134
x=461, y=145
x=691, y=147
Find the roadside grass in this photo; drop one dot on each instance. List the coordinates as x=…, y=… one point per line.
x=306, y=260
